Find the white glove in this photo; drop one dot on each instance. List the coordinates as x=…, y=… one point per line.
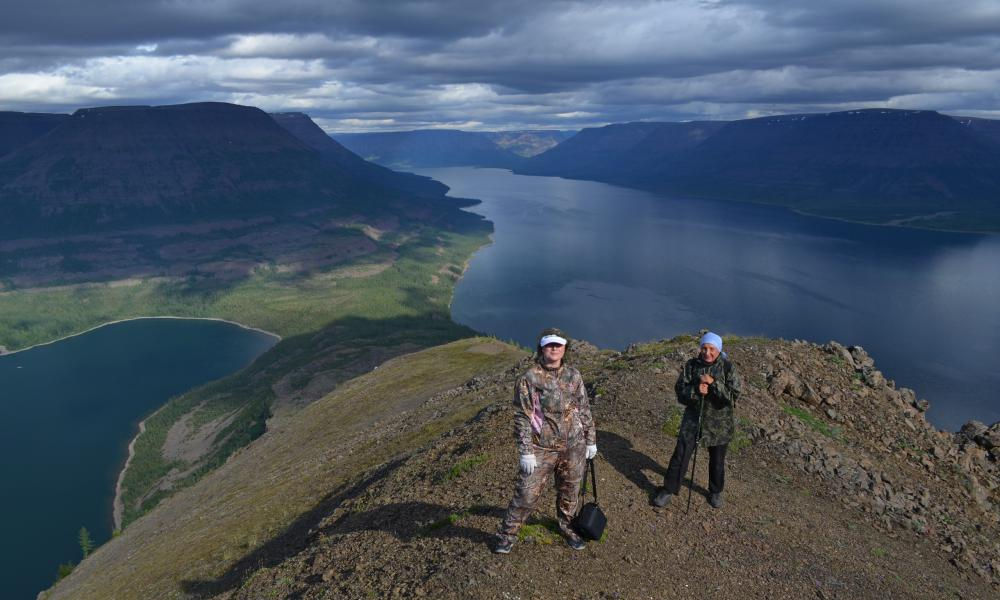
x=528, y=463
x=591, y=451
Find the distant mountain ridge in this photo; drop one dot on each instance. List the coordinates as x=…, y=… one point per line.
x=881, y=166
x=429, y=148
x=452, y=147
x=303, y=128
x=530, y=142
x=122, y=166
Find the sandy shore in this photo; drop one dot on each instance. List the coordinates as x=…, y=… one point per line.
x=118, y=507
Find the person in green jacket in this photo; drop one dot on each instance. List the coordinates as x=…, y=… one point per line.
x=709, y=387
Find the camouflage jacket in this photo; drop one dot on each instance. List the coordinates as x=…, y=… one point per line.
x=718, y=423
x=551, y=410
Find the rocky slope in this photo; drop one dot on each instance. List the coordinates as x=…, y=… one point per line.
x=837, y=488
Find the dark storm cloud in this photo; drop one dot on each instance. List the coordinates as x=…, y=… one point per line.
x=394, y=64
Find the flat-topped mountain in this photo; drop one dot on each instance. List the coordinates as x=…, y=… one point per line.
x=18, y=129
x=392, y=485
x=429, y=148
x=120, y=166
x=883, y=166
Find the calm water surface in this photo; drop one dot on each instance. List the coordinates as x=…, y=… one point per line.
x=69, y=410
x=615, y=266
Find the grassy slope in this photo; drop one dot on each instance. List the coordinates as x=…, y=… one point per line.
x=285, y=303
x=348, y=324
x=269, y=488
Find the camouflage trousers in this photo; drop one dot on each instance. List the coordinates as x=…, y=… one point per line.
x=568, y=465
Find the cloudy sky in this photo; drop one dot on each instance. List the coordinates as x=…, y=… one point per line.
x=381, y=65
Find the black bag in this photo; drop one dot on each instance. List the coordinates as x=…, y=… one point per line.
x=590, y=521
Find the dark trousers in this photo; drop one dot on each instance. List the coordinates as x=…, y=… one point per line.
x=679, y=463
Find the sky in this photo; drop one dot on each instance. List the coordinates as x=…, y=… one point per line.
x=379, y=65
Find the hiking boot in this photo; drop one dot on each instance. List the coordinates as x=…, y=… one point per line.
x=662, y=498
x=575, y=542
x=715, y=500
x=503, y=545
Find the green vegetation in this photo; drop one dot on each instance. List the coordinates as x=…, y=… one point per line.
x=543, y=531
x=813, y=422
x=741, y=437
x=362, y=321
x=464, y=466
x=672, y=424
x=64, y=570
x=86, y=544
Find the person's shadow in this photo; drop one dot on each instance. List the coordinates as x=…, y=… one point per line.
x=632, y=464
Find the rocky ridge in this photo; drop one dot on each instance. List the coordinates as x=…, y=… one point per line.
x=837, y=487
x=825, y=413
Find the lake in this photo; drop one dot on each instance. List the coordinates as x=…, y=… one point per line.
x=69, y=411
x=614, y=266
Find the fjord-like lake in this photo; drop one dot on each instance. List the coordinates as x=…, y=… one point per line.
x=70, y=409
x=614, y=266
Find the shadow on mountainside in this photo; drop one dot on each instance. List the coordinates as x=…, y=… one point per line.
x=632, y=464
x=409, y=520
x=293, y=540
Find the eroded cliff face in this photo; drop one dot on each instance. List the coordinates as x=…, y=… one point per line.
x=837, y=487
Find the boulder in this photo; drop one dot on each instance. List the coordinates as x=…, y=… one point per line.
x=837, y=350
x=989, y=438
x=970, y=431
x=861, y=359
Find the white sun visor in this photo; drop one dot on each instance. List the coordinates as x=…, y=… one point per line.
x=552, y=339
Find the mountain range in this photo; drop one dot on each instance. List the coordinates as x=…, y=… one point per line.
x=882, y=166
x=114, y=167
x=429, y=148
x=451, y=147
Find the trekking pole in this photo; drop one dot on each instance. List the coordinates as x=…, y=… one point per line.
x=694, y=460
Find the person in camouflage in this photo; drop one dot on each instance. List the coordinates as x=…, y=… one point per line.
x=709, y=379
x=555, y=434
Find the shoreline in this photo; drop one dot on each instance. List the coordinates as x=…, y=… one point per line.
x=115, y=322
x=118, y=505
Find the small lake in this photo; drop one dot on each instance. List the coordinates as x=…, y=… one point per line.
x=614, y=266
x=69, y=410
